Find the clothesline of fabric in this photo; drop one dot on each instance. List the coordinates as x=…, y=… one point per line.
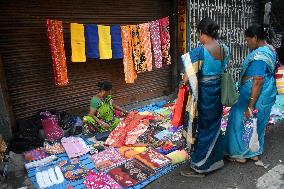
x=133, y=43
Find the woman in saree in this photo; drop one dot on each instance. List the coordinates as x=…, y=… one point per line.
x=203, y=68
x=101, y=116
x=257, y=91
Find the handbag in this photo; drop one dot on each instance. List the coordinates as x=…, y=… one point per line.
x=229, y=94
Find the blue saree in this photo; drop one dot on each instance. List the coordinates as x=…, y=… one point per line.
x=235, y=145
x=204, y=109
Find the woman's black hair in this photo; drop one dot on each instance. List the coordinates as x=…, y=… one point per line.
x=209, y=27
x=104, y=86
x=256, y=30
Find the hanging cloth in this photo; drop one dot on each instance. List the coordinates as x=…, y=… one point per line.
x=156, y=43
x=182, y=34
x=56, y=43
x=144, y=36
x=91, y=34
x=116, y=42
x=129, y=69
x=165, y=40
x=104, y=42
x=138, y=51
x=77, y=42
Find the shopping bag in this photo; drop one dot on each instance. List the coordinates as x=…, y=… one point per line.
x=179, y=109
x=250, y=135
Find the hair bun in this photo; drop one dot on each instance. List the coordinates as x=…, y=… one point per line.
x=100, y=84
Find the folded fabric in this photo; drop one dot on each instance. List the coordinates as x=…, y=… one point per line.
x=77, y=42
x=50, y=177
x=153, y=159
x=165, y=39
x=35, y=154
x=41, y=162
x=92, y=41
x=130, y=173
x=107, y=159
x=56, y=43
x=164, y=135
x=129, y=70
x=104, y=42
x=132, y=136
x=116, y=44
x=74, y=146
x=72, y=169
x=53, y=147
x=118, y=136
x=130, y=152
x=178, y=156
x=156, y=43
x=100, y=181
x=144, y=36
x=138, y=51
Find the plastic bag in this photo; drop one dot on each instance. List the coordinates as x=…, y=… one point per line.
x=250, y=135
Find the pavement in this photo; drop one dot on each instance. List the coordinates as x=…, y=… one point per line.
x=231, y=176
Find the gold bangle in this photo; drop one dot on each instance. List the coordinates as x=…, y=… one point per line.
x=251, y=98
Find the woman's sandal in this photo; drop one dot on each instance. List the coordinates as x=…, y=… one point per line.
x=242, y=161
x=190, y=173
x=255, y=158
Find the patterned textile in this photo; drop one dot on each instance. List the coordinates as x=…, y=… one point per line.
x=156, y=43
x=104, y=42
x=56, y=43
x=153, y=159
x=165, y=39
x=72, y=169
x=130, y=152
x=91, y=34
x=77, y=42
x=107, y=159
x=133, y=135
x=144, y=36
x=182, y=26
x=100, y=181
x=74, y=146
x=119, y=135
x=130, y=173
x=53, y=147
x=129, y=69
x=35, y=154
x=51, y=127
x=138, y=50
x=116, y=46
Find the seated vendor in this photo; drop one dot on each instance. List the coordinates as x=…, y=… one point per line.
x=101, y=116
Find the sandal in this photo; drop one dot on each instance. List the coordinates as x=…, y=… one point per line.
x=189, y=173
x=255, y=158
x=242, y=161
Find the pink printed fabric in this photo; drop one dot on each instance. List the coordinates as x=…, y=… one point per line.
x=107, y=159
x=74, y=146
x=100, y=181
x=144, y=36
x=156, y=42
x=51, y=128
x=165, y=40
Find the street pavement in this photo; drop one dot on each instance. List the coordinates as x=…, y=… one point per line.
x=238, y=176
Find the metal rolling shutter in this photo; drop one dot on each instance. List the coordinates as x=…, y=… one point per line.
x=27, y=59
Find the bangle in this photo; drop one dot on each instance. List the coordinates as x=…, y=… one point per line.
x=251, y=98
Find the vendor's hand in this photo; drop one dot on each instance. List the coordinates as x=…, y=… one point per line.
x=105, y=125
x=248, y=113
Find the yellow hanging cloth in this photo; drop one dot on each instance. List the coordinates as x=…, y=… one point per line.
x=104, y=42
x=77, y=42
